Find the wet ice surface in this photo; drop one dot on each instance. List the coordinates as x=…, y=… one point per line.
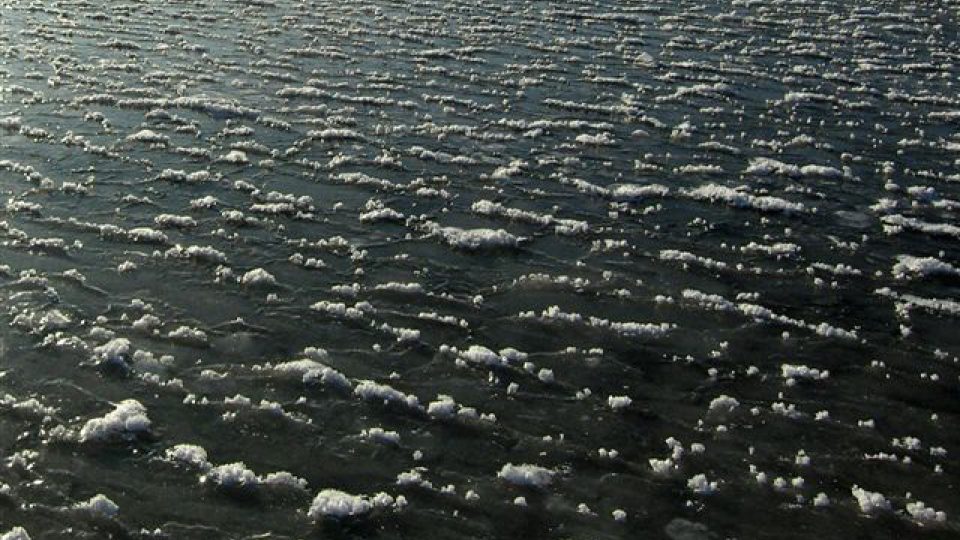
x=479, y=269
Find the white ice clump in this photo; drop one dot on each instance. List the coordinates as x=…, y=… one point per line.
x=11, y=122
x=236, y=157
x=258, y=277
x=237, y=477
x=790, y=372
x=171, y=220
x=562, y=226
x=147, y=235
x=526, y=475
x=188, y=334
x=739, y=199
x=372, y=391
x=870, y=501
x=312, y=371
x=114, y=352
x=662, y=467
x=30, y=406
x=909, y=267
x=231, y=476
x=16, y=533
x=336, y=504
x=414, y=477
x=723, y=404
x=767, y=166
x=381, y=214
x=907, y=443
x=896, y=223
x=442, y=407
x=149, y=137
x=618, y=402
x=762, y=314
x=478, y=354
x=924, y=514
x=128, y=420
x=339, y=309
x=689, y=258
x=709, y=301
x=146, y=323
x=188, y=454
x=700, y=485
x=634, y=192
x=99, y=505
x=380, y=435
x=408, y=288
x=629, y=329
x=475, y=239
x=197, y=253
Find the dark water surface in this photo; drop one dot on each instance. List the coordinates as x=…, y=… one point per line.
x=278, y=269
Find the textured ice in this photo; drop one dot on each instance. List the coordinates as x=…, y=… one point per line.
x=723, y=404
x=700, y=485
x=332, y=503
x=526, y=475
x=414, y=477
x=662, y=467
x=924, y=514
x=115, y=351
x=870, y=501
x=373, y=391
x=481, y=355
x=619, y=402
x=258, y=277
x=127, y=420
x=237, y=478
x=30, y=406
x=171, y=220
x=99, y=505
x=909, y=267
x=188, y=334
x=309, y=371
x=741, y=199
x=380, y=435
x=475, y=239
x=149, y=136
x=200, y=253
x=16, y=533
x=189, y=454
x=790, y=371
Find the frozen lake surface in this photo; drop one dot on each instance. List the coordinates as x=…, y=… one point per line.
x=495, y=269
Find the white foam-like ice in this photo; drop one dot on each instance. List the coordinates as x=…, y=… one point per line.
x=127, y=420
x=526, y=475
x=336, y=504
x=870, y=501
x=99, y=505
